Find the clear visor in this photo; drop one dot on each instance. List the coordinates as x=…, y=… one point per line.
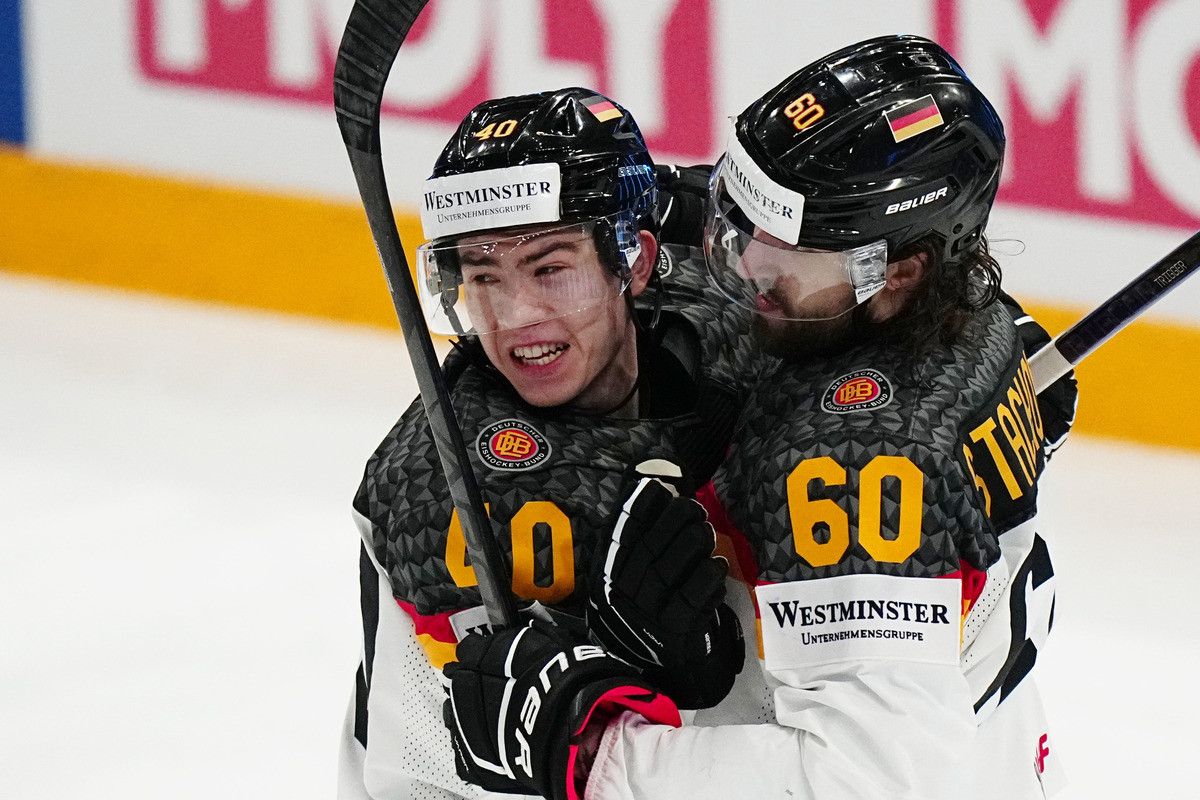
x=504, y=280
x=777, y=279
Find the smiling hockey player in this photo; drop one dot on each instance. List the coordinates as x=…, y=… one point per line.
x=882, y=480
x=541, y=219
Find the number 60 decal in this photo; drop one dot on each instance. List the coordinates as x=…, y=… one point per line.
x=806, y=513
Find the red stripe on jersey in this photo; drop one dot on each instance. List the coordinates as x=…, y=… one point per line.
x=436, y=626
x=973, y=581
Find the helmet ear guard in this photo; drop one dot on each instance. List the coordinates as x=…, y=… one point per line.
x=618, y=244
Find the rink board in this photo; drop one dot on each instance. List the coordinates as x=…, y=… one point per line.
x=189, y=147
x=315, y=258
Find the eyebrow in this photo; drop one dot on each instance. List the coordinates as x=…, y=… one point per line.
x=475, y=259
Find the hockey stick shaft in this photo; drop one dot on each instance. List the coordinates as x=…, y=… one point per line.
x=373, y=35
x=1077, y=342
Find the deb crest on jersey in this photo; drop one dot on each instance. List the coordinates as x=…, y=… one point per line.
x=511, y=445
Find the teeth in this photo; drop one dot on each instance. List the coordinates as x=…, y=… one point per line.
x=539, y=353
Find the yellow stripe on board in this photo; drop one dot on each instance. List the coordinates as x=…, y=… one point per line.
x=316, y=258
x=1143, y=385
x=198, y=242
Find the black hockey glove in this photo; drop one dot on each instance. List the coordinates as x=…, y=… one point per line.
x=522, y=702
x=682, y=193
x=656, y=598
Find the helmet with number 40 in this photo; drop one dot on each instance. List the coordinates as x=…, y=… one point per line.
x=522, y=177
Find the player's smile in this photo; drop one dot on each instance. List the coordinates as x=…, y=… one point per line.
x=540, y=354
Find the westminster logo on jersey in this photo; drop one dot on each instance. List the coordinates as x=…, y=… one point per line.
x=862, y=390
x=511, y=445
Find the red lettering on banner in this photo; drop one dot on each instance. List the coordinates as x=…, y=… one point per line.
x=1042, y=752
x=1100, y=100
x=653, y=55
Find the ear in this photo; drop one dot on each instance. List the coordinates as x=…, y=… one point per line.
x=901, y=278
x=905, y=275
x=644, y=266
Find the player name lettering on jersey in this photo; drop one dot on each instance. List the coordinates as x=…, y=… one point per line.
x=1004, y=451
x=859, y=616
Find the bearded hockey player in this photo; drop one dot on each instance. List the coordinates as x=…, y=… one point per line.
x=882, y=482
x=541, y=219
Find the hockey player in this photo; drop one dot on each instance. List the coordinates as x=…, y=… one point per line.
x=882, y=480
x=541, y=215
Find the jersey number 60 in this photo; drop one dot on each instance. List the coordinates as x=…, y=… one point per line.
x=806, y=513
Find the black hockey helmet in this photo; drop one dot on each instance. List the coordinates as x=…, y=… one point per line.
x=884, y=141
x=570, y=156
x=837, y=169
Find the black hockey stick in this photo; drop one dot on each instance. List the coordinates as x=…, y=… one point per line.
x=373, y=36
x=1074, y=344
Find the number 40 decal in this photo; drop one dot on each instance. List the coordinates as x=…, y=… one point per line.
x=807, y=513
x=561, y=581
x=497, y=130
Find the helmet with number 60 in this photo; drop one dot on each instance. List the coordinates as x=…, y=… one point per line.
x=858, y=155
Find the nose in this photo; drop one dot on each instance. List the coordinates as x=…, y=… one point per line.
x=758, y=262
x=521, y=307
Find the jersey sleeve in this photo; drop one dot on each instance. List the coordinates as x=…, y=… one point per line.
x=1057, y=403
x=394, y=745
x=682, y=193
x=853, y=729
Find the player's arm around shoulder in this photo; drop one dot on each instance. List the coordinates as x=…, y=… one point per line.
x=859, y=592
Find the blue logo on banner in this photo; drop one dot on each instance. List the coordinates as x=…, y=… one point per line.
x=12, y=84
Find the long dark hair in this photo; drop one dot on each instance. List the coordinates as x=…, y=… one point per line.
x=950, y=293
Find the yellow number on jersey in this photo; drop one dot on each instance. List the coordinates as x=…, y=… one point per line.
x=562, y=577
x=806, y=513
x=524, y=579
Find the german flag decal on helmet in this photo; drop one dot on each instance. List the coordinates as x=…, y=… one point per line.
x=601, y=108
x=512, y=446
x=916, y=117
x=863, y=390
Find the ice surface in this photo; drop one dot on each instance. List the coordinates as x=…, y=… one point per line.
x=178, y=593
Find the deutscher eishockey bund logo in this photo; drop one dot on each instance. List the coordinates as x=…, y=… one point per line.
x=511, y=445
x=862, y=390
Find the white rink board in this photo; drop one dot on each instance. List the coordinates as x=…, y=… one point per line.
x=93, y=97
x=1104, y=137
x=179, y=579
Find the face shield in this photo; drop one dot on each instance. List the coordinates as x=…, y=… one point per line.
x=751, y=228
x=494, y=281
